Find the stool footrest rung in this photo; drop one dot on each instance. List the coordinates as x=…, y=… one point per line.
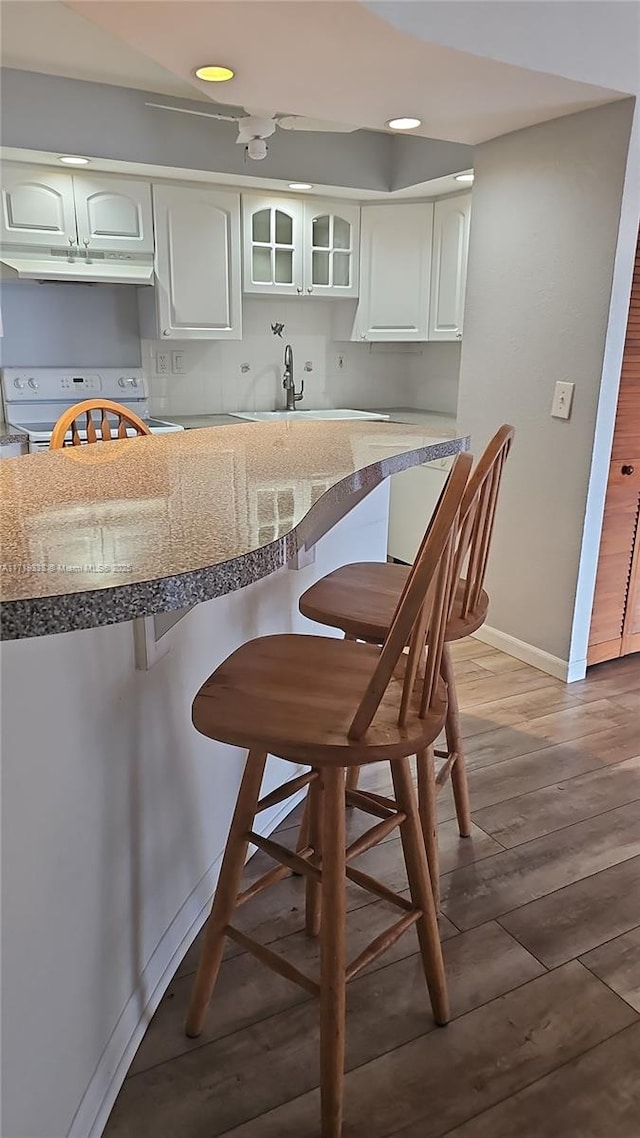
x=440, y=754
x=369, y=803
x=278, y=873
x=381, y=943
x=445, y=770
x=293, y=860
x=273, y=960
x=372, y=885
x=286, y=790
x=374, y=835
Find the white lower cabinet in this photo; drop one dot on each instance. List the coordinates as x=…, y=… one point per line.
x=414, y=496
x=198, y=292
x=449, y=267
x=395, y=271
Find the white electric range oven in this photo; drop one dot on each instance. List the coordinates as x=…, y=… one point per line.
x=34, y=398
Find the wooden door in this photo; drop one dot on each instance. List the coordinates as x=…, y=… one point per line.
x=198, y=289
x=113, y=214
x=38, y=208
x=449, y=267
x=615, y=622
x=395, y=272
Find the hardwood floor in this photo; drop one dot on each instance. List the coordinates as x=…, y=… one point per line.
x=541, y=937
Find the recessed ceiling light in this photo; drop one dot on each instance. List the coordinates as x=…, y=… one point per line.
x=464, y=177
x=300, y=186
x=404, y=124
x=73, y=160
x=214, y=73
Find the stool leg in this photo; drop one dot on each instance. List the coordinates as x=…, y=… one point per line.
x=224, y=901
x=455, y=746
x=353, y=773
x=313, y=887
x=428, y=813
x=421, y=892
x=332, y=956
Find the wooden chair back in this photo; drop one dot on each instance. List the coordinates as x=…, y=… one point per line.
x=70, y=418
x=422, y=611
x=477, y=516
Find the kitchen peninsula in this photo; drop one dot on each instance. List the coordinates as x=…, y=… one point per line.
x=131, y=569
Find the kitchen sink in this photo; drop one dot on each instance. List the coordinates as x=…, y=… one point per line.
x=333, y=413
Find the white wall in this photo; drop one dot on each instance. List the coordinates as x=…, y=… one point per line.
x=372, y=375
x=546, y=211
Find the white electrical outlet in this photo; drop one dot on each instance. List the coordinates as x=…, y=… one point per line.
x=177, y=363
x=562, y=400
x=162, y=363
x=340, y=361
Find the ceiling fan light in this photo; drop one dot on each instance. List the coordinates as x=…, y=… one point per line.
x=404, y=123
x=257, y=149
x=214, y=73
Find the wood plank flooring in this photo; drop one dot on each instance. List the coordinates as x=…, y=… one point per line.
x=541, y=936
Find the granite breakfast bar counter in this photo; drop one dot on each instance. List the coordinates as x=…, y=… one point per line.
x=130, y=570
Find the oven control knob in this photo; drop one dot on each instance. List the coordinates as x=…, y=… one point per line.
x=19, y=383
x=122, y=381
x=33, y=384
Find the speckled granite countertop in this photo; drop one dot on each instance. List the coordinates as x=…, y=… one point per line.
x=104, y=533
x=9, y=434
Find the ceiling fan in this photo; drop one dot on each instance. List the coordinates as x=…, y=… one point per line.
x=255, y=126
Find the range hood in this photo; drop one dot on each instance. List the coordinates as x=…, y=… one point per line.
x=105, y=268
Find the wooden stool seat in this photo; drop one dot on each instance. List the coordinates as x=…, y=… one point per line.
x=302, y=691
x=361, y=599
x=331, y=705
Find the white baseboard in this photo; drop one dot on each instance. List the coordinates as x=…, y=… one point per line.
x=529, y=654
x=97, y=1102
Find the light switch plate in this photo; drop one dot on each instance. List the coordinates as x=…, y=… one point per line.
x=562, y=400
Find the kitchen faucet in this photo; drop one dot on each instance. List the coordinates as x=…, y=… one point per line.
x=289, y=382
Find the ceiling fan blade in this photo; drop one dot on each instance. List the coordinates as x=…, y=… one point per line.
x=188, y=111
x=299, y=122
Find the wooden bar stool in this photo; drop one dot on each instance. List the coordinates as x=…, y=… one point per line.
x=70, y=418
x=331, y=704
x=361, y=599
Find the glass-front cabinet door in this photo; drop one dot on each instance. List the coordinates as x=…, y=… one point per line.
x=332, y=242
x=273, y=245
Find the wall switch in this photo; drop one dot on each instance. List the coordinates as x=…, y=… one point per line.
x=340, y=361
x=162, y=363
x=177, y=363
x=562, y=400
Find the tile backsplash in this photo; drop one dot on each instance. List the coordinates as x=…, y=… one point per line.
x=246, y=375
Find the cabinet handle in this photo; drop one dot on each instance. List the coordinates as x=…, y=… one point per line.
x=458, y=335
x=627, y=469
x=166, y=332
x=298, y=290
x=72, y=242
x=309, y=290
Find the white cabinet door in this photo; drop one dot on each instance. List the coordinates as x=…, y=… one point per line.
x=331, y=248
x=413, y=498
x=395, y=271
x=273, y=236
x=37, y=208
x=113, y=214
x=449, y=267
x=198, y=291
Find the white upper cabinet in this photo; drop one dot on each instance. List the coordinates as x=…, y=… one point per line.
x=38, y=207
x=300, y=248
x=198, y=287
x=395, y=272
x=449, y=267
x=113, y=213
x=273, y=245
x=331, y=249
